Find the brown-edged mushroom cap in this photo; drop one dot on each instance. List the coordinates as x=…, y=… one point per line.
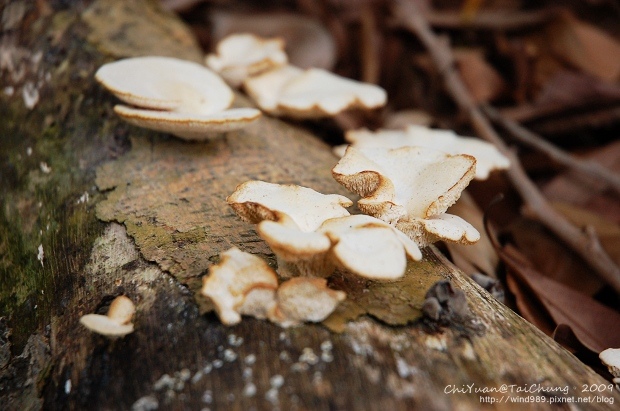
x=242, y=55
x=189, y=126
x=311, y=93
x=166, y=83
x=304, y=299
x=446, y=227
x=240, y=283
x=611, y=358
x=407, y=181
x=370, y=247
x=255, y=201
x=116, y=323
x=488, y=157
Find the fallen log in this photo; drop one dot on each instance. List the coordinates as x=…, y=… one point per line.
x=93, y=208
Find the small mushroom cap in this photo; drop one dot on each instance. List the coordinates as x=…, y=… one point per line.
x=264, y=89
x=312, y=93
x=166, y=83
x=242, y=55
x=488, y=157
x=230, y=282
x=121, y=310
x=611, y=358
x=255, y=201
x=189, y=126
x=106, y=326
x=446, y=227
x=407, y=181
x=370, y=247
x=305, y=299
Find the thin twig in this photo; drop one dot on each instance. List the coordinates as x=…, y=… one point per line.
x=587, y=246
x=533, y=140
x=489, y=20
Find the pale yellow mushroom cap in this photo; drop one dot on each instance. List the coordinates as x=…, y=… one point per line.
x=611, y=358
x=242, y=55
x=116, y=323
x=230, y=285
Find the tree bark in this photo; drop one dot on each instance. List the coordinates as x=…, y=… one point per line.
x=93, y=208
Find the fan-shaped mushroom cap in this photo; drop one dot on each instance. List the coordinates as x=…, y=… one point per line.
x=611, y=358
x=239, y=56
x=311, y=93
x=446, y=227
x=405, y=185
x=255, y=201
x=116, y=323
x=166, y=83
x=305, y=299
x=488, y=157
x=189, y=126
x=409, y=181
x=240, y=284
x=369, y=247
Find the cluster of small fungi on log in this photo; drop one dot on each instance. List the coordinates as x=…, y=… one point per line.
x=407, y=179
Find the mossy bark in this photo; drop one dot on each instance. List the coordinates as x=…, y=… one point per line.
x=67, y=163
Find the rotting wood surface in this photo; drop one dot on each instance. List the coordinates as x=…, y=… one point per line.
x=58, y=261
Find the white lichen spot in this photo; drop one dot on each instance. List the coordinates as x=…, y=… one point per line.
x=234, y=340
x=276, y=381
x=300, y=367
x=45, y=168
x=250, y=359
x=468, y=351
x=403, y=368
x=207, y=368
x=272, y=395
x=284, y=356
x=83, y=198
x=29, y=151
x=326, y=356
x=218, y=363
x=197, y=377
x=184, y=374
x=146, y=403
x=230, y=355
x=40, y=254
x=207, y=397
x=308, y=356
x=436, y=342
x=9, y=90
x=67, y=387
x=327, y=345
x=249, y=390
x=247, y=373
x=30, y=94
x=165, y=381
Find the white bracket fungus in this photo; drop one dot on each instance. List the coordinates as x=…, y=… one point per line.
x=611, y=358
x=172, y=95
x=312, y=233
x=488, y=157
x=241, y=284
x=243, y=55
x=311, y=93
x=410, y=188
x=116, y=323
x=304, y=299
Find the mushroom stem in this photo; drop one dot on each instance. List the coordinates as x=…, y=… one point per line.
x=586, y=246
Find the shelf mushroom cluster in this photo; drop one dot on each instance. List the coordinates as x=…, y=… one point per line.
x=173, y=96
x=260, y=67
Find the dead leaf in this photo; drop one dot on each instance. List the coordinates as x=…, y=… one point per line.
x=528, y=306
x=572, y=89
x=552, y=258
x=484, y=82
x=595, y=325
x=477, y=257
x=585, y=46
x=574, y=188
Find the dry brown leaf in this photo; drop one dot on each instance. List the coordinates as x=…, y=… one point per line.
x=595, y=325
x=478, y=257
x=573, y=188
x=484, y=82
x=552, y=258
x=528, y=306
x=585, y=46
x=607, y=231
x=572, y=89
